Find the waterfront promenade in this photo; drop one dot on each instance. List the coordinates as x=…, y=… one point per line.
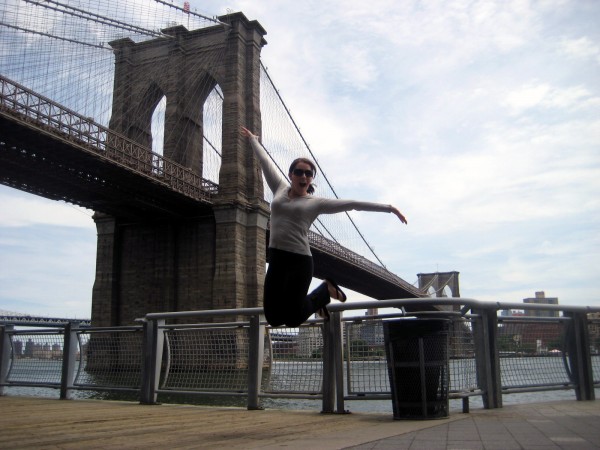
x=93, y=424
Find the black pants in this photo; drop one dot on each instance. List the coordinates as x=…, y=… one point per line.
x=286, y=286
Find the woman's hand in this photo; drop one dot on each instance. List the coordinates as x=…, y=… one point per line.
x=400, y=215
x=247, y=133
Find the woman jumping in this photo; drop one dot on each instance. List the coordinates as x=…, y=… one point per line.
x=293, y=210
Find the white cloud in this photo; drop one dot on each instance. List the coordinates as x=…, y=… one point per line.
x=47, y=269
x=581, y=48
x=356, y=67
x=546, y=96
x=527, y=97
x=18, y=209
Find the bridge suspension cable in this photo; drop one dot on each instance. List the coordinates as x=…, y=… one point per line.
x=14, y=27
x=314, y=158
x=86, y=15
x=187, y=10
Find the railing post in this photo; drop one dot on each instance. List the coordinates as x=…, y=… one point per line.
x=70, y=347
x=5, y=354
x=333, y=365
x=152, y=361
x=485, y=333
x=580, y=359
x=338, y=360
x=256, y=354
x=328, y=401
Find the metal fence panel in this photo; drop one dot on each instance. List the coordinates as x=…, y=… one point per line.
x=207, y=359
x=463, y=366
x=364, y=353
x=110, y=359
x=532, y=354
x=36, y=357
x=366, y=366
x=296, y=360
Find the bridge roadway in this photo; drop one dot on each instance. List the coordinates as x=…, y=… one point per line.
x=54, y=164
x=53, y=152
x=100, y=424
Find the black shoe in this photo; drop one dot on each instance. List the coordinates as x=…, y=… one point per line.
x=339, y=293
x=323, y=313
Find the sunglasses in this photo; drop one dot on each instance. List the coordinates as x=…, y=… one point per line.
x=300, y=172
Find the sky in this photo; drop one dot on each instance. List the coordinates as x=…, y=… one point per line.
x=479, y=120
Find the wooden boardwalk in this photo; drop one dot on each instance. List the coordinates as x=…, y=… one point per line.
x=93, y=424
x=42, y=423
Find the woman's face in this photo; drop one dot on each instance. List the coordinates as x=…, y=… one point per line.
x=301, y=179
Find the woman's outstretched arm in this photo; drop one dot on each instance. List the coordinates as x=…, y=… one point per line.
x=399, y=214
x=272, y=175
x=337, y=205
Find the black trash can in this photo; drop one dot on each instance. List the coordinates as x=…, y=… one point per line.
x=417, y=357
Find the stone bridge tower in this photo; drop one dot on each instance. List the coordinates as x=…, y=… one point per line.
x=215, y=257
x=438, y=281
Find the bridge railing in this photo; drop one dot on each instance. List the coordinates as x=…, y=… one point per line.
x=328, y=246
x=235, y=353
x=30, y=107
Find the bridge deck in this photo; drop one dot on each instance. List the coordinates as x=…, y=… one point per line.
x=55, y=168
x=48, y=423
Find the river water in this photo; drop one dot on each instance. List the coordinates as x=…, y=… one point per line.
x=371, y=406
x=521, y=371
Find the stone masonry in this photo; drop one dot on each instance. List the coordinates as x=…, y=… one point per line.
x=215, y=257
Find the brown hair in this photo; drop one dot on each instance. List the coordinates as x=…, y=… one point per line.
x=311, y=188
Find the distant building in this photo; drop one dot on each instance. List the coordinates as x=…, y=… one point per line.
x=512, y=313
x=310, y=340
x=372, y=312
x=541, y=299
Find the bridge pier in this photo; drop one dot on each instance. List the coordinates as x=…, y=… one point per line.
x=213, y=257
x=241, y=240
x=211, y=262
x=164, y=265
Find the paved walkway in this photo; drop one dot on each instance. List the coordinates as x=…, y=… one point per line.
x=542, y=426
x=42, y=423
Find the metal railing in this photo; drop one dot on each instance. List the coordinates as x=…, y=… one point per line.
x=234, y=352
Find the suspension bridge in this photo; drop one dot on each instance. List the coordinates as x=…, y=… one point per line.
x=133, y=110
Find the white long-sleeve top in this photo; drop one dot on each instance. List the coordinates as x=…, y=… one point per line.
x=291, y=218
